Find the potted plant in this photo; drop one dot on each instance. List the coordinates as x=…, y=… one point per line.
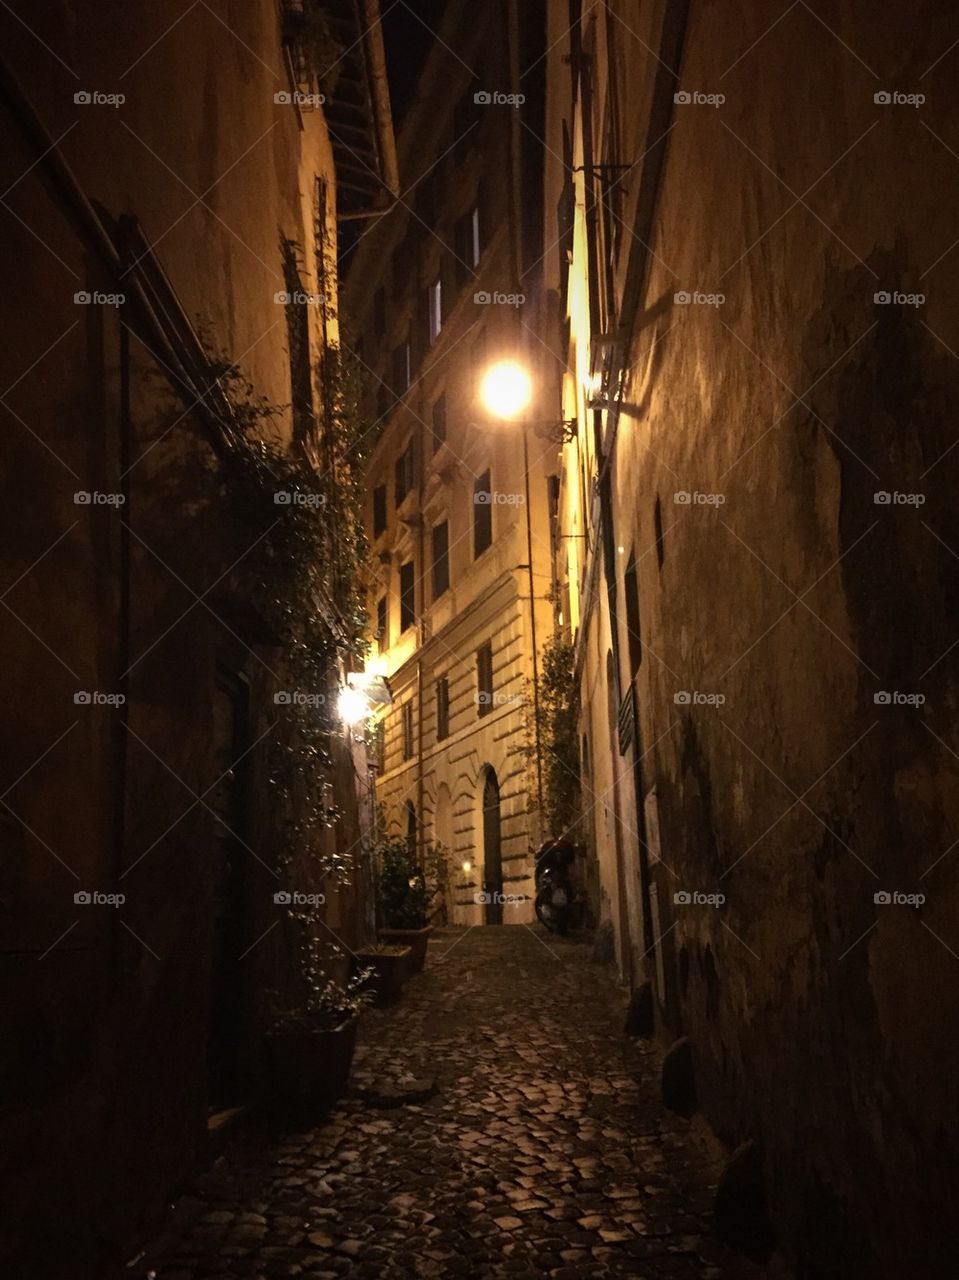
x=312, y=1038
x=387, y=967
x=405, y=895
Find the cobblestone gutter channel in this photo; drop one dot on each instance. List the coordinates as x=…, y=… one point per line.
x=498, y=1124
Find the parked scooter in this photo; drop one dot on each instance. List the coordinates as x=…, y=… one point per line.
x=554, y=885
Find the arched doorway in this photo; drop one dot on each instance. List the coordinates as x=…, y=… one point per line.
x=492, y=848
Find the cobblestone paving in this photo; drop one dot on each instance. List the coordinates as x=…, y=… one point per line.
x=544, y=1149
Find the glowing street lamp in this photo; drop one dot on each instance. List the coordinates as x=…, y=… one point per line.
x=352, y=706
x=506, y=389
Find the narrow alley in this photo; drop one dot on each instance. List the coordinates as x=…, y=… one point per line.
x=531, y=1141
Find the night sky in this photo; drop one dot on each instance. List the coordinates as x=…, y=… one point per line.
x=407, y=32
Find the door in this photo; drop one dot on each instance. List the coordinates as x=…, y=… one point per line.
x=492, y=850
x=226, y=1022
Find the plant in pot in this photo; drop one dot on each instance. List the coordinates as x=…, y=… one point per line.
x=387, y=966
x=405, y=894
x=312, y=1036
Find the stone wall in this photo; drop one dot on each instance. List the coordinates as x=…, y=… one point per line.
x=792, y=428
x=105, y=1057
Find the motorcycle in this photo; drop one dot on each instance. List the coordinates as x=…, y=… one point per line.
x=554, y=885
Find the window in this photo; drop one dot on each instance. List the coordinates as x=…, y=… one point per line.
x=439, y=422
x=435, y=299
x=442, y=708
x=484, y=679
x=408, y=730
x=441, y=559
x=407, y=596
x=482, y=515
x=468, y=244
x=631, y=590
x=379, y=509
x=402, y=369
x=404, y=474
x=382, y=624
x=377, y=747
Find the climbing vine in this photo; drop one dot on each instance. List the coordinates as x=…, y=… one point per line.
x=297, y=517
x=559, y=736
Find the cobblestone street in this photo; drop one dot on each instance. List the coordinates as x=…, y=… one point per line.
x=542, y=1150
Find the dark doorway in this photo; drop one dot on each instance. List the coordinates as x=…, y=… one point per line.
x=226, y=1025
x=492, y=850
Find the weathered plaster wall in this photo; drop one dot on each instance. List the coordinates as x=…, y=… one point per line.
x=821, y=1021
x=104, y=1060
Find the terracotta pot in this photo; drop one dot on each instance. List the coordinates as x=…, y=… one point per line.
x=389, y=973
x=415, y=939
x=309, y=1070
